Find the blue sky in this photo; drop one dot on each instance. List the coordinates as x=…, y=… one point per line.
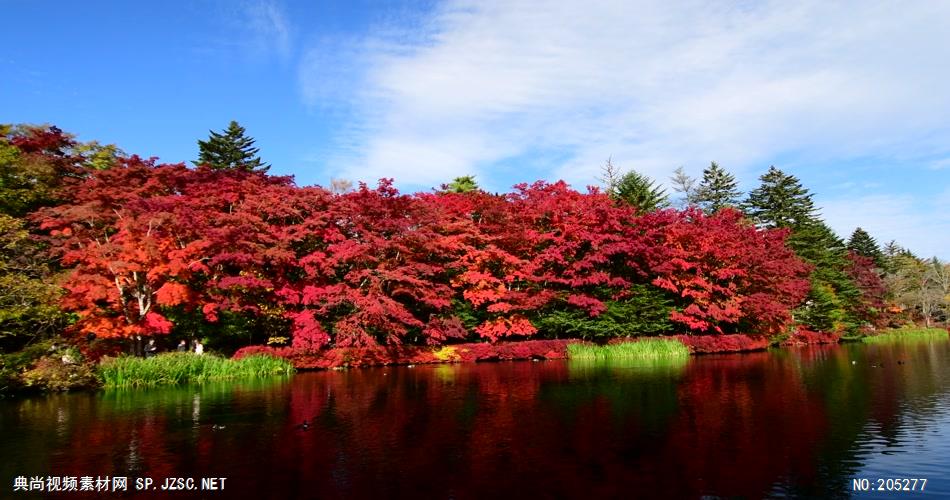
x=851, y=97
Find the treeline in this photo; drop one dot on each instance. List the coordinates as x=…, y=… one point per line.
x=105, y=245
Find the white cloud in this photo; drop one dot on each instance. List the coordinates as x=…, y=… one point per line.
x=267, y=27
x=654, y=84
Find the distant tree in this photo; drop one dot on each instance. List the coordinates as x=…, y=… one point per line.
x=340, y=186
x=893, y=249
x=685, y=184
x=640, y=192
x=230, y=149
x=936, y=289
x=463, y=184
x=901, y=274
x=863, y=244
x=920, y=286
x=610, y=177
x=717, y=190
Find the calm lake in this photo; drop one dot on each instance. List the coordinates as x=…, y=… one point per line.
x=793, y=422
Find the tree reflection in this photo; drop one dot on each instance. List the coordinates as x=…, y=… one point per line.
x=794, y=421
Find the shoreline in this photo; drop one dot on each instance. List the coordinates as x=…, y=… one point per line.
x=360, y=357
x=363, y=357
x=698, y=345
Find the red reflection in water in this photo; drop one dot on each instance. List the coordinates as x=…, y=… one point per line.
x=746, y=422
x=731, y=425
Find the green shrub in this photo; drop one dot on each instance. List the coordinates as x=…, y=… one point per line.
x=14, y=364
x=52, y=373
x=645, y=312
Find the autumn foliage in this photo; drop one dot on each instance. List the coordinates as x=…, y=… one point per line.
x=870, y=307
x=725, y=271
x=337, y=357
x=145, y=244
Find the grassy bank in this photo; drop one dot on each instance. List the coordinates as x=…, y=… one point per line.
x=642, y=349
x=907, y=335
x=183, y=368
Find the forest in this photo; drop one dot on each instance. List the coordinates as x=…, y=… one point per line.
x=100, y=247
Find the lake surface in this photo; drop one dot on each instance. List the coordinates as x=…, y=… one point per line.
x=794, y=422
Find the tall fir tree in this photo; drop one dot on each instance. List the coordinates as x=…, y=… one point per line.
x=863, y=244
x=230, y=149
x=718, y=189
x=781, y=201
x=834, y=295
x=641, y=192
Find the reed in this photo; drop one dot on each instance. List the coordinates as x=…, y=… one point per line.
x=184, y=367
x=641, y=349
x=907, y=335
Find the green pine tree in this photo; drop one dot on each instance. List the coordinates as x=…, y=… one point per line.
x=230, y=149
x=833, y=292
x=717, y=190
x=641, y=192
x=464, y=184
x=780, y=201
x=862, y=243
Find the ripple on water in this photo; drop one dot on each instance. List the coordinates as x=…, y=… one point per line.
x=797, y=423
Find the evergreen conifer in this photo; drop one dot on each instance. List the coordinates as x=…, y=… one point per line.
x=717, y=190
x=782, y=202
x=230, y=149
x=863, y=244
x=641, y=192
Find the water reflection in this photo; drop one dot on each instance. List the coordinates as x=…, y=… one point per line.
x=791, y=422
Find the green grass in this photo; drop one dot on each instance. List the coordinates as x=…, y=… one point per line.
x=184, y=367
x=907, y=335
x=642, y=349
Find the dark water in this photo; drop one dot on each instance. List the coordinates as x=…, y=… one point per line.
x=799, y=423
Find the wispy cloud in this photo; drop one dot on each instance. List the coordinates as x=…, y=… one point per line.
x=472, y=86
x=267, y=26
x=251, y=29
x=655, y=85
